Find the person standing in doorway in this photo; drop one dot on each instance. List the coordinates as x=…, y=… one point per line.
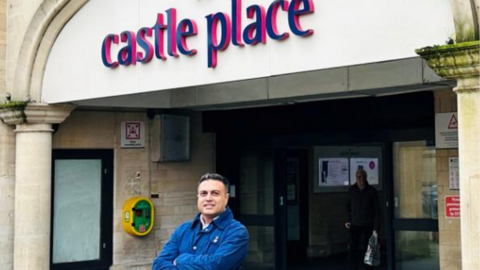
x=364, y=218
x=213, y=239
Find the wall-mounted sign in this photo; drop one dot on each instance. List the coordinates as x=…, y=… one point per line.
x=333, y=172
x=454, y=173
x=446, y=130
x=132, y=134
x=222, y=30
x=452, y=206
x=336, y=166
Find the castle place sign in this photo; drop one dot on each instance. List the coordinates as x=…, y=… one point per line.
x=222, y=30
x=144, y=51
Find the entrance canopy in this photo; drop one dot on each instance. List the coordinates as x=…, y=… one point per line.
x=121, y=48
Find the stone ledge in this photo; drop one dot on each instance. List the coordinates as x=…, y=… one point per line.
x=47, y=114
x=34, y=113
x=455, y=61
x=13, y=113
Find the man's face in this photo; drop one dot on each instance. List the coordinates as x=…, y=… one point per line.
x=360, y=180
x=212, y=198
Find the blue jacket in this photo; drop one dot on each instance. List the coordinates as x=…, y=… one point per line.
x=222, y=245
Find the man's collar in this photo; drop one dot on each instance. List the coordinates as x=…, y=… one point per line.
x=220, y=221
x=205, y=225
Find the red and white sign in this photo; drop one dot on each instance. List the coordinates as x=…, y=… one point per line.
x=132, y=131
x=452, y=206
x=453, y=122
x=133, y=134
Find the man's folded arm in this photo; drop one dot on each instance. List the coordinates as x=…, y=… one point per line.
x=169, y=253
x=228, y=256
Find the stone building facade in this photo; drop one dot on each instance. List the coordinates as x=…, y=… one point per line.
x=32, y=129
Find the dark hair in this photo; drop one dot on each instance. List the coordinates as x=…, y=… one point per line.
x=216, y=177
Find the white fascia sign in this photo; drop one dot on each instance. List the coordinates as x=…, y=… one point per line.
x=123, y=47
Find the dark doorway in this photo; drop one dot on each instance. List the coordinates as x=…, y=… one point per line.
x=274, y=139
x=82, y=209
x=296, y=181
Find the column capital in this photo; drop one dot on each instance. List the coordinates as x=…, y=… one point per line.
x=16, y=113
x=459, y=61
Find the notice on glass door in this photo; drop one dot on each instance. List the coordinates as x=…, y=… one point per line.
x=369, y=165
x=333, y=172
x=454, y=173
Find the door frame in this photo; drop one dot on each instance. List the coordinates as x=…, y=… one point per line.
x=402, y=224
x=299, y=246
x=106, y=208
x=280, y=207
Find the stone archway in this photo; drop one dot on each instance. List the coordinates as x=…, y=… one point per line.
x=44, y=28
x=31, y=240
x=466, y=17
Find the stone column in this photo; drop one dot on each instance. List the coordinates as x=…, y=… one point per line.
x=461, y=62
x=33, y=180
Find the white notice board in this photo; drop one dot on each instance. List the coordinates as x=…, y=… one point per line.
x=453, y=169
x=335, y=167
x=369, y=165
x=446, y=130
x=333, y=172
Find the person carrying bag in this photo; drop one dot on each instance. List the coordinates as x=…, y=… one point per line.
x=363, y=219
x=372, y=256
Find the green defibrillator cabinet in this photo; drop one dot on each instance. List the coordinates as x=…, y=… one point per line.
x=138, y=216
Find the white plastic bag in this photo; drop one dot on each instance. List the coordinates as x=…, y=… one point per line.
x=372, y=256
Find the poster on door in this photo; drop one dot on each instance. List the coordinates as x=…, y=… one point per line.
x=369, y=165
x=333, y=172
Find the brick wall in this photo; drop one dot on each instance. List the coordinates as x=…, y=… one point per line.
x=449, y=229
x=7, y=169
x=7, y=193
x=3, y=45
x=174, y=182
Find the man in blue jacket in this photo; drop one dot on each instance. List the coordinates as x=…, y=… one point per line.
x=213, y=239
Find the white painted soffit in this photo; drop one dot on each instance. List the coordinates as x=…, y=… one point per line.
x=370, y=80
x=347, y=33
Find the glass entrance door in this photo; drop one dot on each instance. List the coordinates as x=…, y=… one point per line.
x=82, y=209
x=256, y=207
x=415, y=221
